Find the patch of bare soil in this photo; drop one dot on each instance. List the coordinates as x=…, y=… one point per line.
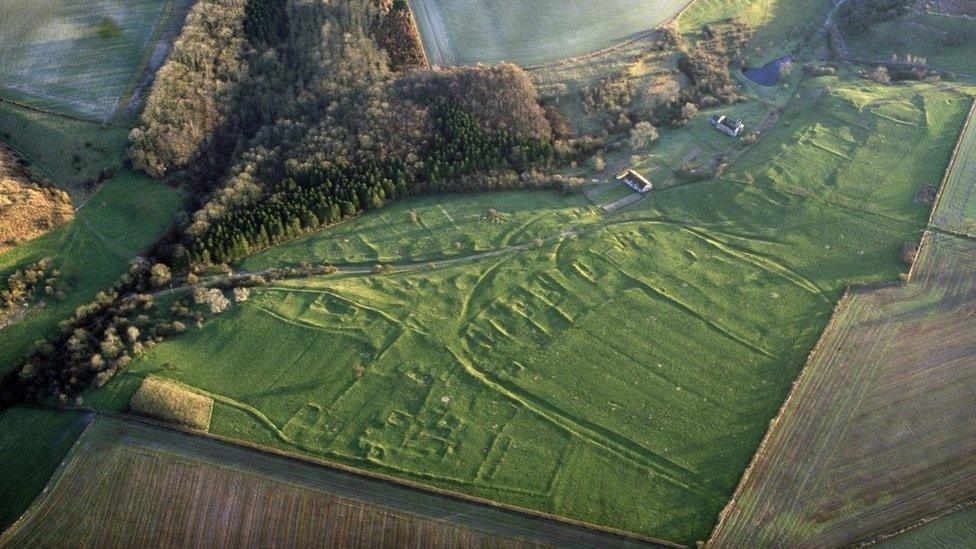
x=29, y=205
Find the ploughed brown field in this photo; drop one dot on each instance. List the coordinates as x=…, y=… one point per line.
x=879, y=432
x=128, y=484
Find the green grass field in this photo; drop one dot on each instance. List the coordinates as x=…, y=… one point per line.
x=69, y=152
x=465, y=32
x=120, y=221
x=948, y=43
x=75, y=56
x=108, y=490
x=32, y=444
x=622, y=374
x=955, y=530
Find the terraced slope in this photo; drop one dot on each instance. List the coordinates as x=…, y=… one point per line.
x=128, y=484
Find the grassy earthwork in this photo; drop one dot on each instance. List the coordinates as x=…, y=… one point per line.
x=878, y=433
x=619, y=370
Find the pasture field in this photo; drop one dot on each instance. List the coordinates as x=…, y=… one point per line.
x=878, y=432
x=69, y=152
x=32, y=444
x=955, y=530
x=948, y=43
x=120, y=221
x=445, y=228
x=108, y=490
x=779, y=24
x=75, y=56
x=623, y=370
x=466, y=32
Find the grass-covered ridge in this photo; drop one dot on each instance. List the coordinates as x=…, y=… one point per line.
x=619, y=370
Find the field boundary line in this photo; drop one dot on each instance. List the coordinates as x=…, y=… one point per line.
x=841, y=305
x=918, y=524
x=417, y=33
x=165, y=18
x=613, y=47
x=58, y=114
x=952, y=162
x=423, y=488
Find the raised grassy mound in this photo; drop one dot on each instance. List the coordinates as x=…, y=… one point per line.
x=465, y=32
x=215, y=494
x=75, y=56
x=29, y=206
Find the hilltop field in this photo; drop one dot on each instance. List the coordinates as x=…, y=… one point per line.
x=77, y=57
x=530, y=33
x=653, y=346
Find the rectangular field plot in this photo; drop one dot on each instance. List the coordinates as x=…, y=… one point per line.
x=107, y=493
x=465, y=32
x=75, y=56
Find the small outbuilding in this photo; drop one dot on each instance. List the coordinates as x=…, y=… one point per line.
x=635, y=181
x=728, y=125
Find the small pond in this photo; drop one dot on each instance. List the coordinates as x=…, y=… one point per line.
x=768, y=74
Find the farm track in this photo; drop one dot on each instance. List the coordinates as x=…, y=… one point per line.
x=223, y=494
x=878, y=432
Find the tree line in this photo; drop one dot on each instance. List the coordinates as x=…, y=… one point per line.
x=303, y=123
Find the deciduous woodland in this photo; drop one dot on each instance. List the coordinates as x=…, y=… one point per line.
x=269, y=161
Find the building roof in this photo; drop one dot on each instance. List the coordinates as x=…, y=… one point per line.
x=635, y=180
